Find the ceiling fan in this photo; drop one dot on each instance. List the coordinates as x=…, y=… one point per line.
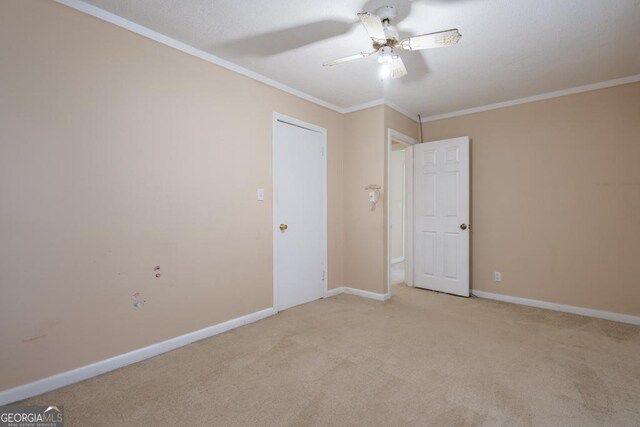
x=387, y=43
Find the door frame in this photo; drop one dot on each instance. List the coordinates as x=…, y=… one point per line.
x=405, y=213
x=278, y=117
x=394, y=135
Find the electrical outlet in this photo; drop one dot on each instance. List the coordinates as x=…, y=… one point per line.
x=497, y=276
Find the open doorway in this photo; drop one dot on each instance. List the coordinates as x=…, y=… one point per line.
x=399, y=209
x=397, y=218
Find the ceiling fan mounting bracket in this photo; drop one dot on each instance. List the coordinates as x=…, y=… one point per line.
x=386, y=13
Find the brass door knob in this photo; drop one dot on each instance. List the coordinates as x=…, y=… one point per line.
x=283, y=227
x=463, y=226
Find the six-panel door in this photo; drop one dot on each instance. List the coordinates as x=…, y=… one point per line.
x=442, y=232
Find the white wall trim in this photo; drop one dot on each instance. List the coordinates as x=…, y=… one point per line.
x=363, y=106
x=394, y=135
x=183, y=47
x=85, y=372
x=121, y=22
x=600, y=314
x=397, y=260
x=541, y=97
x=358, y=293
x=367, y=294
x=336, y=291
x=188, y=49
x=377, y=102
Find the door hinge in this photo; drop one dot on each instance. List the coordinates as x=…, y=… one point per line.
x=322, y=151
x=323, y=275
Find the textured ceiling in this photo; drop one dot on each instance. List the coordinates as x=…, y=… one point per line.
x=510, y=48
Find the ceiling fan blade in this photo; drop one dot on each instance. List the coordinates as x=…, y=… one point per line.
x=348, y=58
x=397, y=68
x=373, y=24
x=432, y=40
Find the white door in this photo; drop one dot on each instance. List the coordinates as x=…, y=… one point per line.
x=441, y=236
x=299, y=215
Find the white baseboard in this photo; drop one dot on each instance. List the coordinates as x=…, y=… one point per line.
x=600, y=314
x=85, y=372
x=397, y=260
x=358, y=292
x=80, y=374
x=335, y=291
x=366, y=294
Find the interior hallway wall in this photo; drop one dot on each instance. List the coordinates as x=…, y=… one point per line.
x=365, y=160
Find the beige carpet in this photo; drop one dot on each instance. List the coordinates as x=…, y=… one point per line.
x=420, y=359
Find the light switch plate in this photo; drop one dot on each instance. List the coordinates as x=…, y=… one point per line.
x=260, y=194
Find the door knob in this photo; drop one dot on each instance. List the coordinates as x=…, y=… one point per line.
x=283, y=227
x=463, y=226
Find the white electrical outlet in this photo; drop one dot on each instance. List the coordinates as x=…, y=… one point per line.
x=497, y=276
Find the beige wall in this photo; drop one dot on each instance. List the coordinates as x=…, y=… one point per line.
x=365, y=159
x=556, y=198
x=399, y=122
x=118, y=154
x=363, y=165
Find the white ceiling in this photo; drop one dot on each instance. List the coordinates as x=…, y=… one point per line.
x=510, y=49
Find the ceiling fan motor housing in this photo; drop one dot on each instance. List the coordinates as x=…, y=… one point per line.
x=386, y=14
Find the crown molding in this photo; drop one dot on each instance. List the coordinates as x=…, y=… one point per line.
x=188, y=49
x=377, y=102
x=535, y=98
x=363, y=106
x=121, y=22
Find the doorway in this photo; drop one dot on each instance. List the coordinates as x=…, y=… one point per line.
x=399, y=209
x=299, y=212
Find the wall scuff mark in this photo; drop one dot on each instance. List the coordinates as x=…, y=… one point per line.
x=137, y=299
x=34, y=338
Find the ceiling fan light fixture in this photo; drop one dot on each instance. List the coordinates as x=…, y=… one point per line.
x=385, y=70
x=386, y=55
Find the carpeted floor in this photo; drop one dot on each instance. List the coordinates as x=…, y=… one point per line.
x=420, y=359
